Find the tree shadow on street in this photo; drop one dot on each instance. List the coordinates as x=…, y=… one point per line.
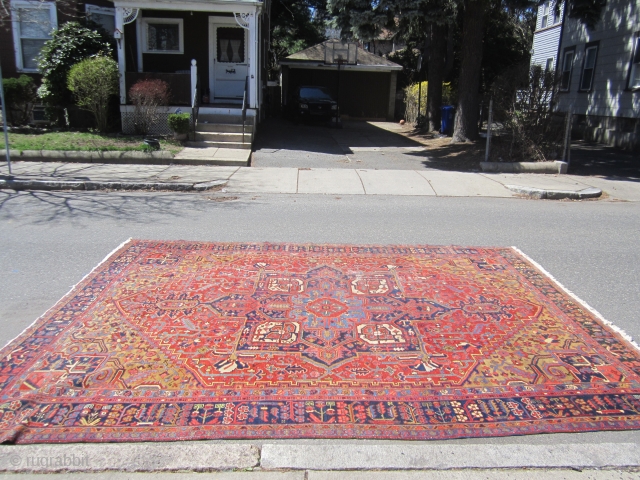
x=42, y=207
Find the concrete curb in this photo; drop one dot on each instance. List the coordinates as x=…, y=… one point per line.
x=49, y=185
x=88, y=157
x=132, y=457
x=441, y=457
x=538, y=193
x=525, y=167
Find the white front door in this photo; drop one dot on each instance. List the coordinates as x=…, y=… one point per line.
x=229, y=65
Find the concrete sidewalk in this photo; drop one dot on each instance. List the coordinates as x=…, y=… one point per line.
x=77, y=176
x=322, y=458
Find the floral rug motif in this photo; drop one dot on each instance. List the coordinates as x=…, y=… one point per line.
x=183, y=340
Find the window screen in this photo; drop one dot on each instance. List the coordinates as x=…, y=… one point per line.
x=35, y=25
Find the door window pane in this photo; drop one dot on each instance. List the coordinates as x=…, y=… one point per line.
x=230, y=45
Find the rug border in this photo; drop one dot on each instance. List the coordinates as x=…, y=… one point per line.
x=606, y=323
x=71, y=291
x=614, y=331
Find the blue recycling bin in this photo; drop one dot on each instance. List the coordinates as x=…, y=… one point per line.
x=448, y=112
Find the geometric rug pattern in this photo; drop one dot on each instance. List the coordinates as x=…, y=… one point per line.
x=184, y=340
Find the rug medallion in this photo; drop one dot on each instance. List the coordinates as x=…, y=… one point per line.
x=185, y=340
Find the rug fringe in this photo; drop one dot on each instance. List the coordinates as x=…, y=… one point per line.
x=104, y=260
x=597, y=314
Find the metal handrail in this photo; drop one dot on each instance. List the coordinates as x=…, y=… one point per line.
x=244, y=105
x=195, y=108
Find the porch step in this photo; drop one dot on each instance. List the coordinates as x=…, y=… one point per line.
x=225, y=119
x=213, y=136
x=218, y=144
x=224, y=127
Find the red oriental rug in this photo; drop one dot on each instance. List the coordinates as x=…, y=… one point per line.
x=184, y=340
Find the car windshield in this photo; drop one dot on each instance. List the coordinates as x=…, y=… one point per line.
x=317, y=93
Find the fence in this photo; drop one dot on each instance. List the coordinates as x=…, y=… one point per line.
x=158, y=127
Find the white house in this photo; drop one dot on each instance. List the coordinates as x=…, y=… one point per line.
x=546, y=38
x=600, y=75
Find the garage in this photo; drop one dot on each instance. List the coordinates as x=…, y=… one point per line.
x=363, y=83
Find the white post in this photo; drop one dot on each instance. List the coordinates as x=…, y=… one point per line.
x=5, y=123
x=121, y=57
x=194, y=77
x=253, y=60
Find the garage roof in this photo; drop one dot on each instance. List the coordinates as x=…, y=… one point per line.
x=313, y=57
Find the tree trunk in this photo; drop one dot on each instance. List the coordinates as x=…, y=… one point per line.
x=437, y=50
x=466, y=123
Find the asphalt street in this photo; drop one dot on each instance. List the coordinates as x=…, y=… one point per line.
x=50, y=240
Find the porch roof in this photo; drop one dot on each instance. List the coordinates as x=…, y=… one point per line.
x=191, y=5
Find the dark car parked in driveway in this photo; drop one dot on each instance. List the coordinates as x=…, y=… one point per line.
x=314, y=103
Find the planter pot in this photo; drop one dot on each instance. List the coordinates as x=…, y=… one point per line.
x=179, y=136
x=525, y=167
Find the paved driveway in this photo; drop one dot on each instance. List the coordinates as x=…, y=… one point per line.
x=359, y=144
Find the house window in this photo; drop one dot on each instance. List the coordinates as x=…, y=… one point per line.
x=567, y=68
x=588, y=67
x=32, y=25
x=545, y=15
x=105, y=17
x=634, y=74
x=230, y=42
x=162, y=35
x=549, y=66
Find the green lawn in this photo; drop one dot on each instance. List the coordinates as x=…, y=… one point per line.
x=81, y=141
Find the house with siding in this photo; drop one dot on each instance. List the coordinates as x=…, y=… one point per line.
x=600, y=75
x=546, y=37
x=27, y=24
x=212, y=53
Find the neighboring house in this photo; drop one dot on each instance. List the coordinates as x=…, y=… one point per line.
x=29, y=23
x=220, y=46
x=364, y=84
x=546, y=37
x=600, y=75
x=385, y=43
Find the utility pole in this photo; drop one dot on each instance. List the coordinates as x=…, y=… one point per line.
x=4, y=122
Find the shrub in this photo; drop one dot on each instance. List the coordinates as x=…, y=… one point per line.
x=20, y=94
x=147, y=96
x=523, y=106
x=93, y=82
x=70, y=44
x=179, y=122
x=411, y=102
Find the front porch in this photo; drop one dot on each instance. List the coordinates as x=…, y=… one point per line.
x=207, y=51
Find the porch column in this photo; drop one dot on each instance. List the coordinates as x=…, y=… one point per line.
x=253, y=63
x=122, y=67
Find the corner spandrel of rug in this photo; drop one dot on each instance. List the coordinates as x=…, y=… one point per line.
x=183, y=340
